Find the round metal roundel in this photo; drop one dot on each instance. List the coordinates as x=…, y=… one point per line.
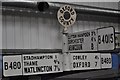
x=66, y=16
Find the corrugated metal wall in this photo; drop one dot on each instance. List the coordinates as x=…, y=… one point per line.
x=42, y=31
x=30, y=32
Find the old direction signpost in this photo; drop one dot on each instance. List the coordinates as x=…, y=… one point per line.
x=92, y=40
x=32, y=64
x=85, y=41
x=66, y=16
x=100, y=39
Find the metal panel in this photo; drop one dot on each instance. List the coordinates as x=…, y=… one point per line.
x=4, y=34
x=85, y=23
x=44, y=41
x=34, y=33
x=56, y=33
x=49, y=33
x=26, y=32
x=18, y=33
x=30, y=32
x=10, y=31
x=80, y=25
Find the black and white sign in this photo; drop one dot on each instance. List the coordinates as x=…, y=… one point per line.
x=106, y=60
x=31, y=64
x=42, y=63
x=85, y=61
x=106, y=40
x=12, y=65
x=66, y=16
x=82, y=41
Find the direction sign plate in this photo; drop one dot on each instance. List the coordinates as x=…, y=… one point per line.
x=12, y=65
x=82, y=41
x=42, y=63
x=85, y=61
x=106, y=60
x=106, y=38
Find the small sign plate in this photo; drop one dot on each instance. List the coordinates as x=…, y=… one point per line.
x=106, y=38
x=12, y=65
x=82, y=41
x=85, y=61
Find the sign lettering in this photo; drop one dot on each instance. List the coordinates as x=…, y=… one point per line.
x=83, y=61
x=92, y=40
x=106, y=60
x=82, y=41
x=12, y=65
x=66, y=16
x=41, y=63
x=106, y=39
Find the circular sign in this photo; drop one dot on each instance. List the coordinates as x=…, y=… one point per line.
x=66, y=16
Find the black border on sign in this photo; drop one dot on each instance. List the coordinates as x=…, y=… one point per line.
x=2, y=66
x=114, y=36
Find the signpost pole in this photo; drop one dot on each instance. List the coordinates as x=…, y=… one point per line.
x=66, y=16
x=66, y=60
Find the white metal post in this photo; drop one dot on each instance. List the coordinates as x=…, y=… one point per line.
x=66, y=57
